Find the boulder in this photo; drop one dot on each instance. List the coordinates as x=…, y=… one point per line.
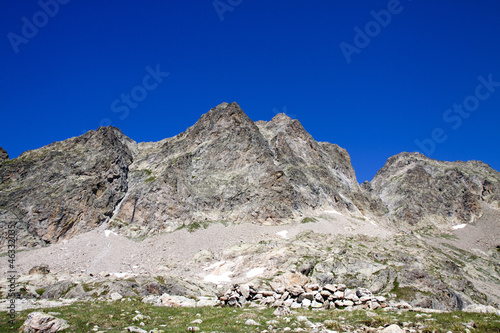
x=57, y=290
x=251, y=322
x=244, y=290
x=330, y=287
x=292, y=280
x=177, y=301
x=282, y=311
x=116, y=296
x=76, y=292
x=42, y=269
x=39, y=322
x=135, y=329
x=206, y=301
x=393, y=329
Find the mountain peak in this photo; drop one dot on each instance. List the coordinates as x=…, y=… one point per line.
x=226, y=109
x=3, y=155
x=281, y=118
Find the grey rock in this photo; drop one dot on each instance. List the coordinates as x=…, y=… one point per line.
x=57, y=290
x=309, y=296
x=177, y=301
x=393, y=329
x=282, y=311
x=316, y=305
x=330, y=288
x=72, y=186
x=41, y=322
x=116, y=296
x=3, y=155
x=135, y=329
x=76, y=292
x=251, y=322
x=420, y=192
x=42, y=269
x=283, y=169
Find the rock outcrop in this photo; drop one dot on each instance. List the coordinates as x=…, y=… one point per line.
x=3, y=155
x=420, y=192
x=228, y=168
x=42, y=322
x=66, y=187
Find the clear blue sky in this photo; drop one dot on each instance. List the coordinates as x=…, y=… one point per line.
x=68, y=75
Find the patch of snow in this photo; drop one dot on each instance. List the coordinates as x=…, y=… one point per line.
x=282, y=233
x=218, y=278
x=255, y=272
x=217, y=264
x=333, y=212
x=460, y=226
x=375, y=224
x=122, y=275
x=109, y=232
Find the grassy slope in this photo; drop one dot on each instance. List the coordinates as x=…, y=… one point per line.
x=114, y=317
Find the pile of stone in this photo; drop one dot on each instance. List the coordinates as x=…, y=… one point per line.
x=313, y=296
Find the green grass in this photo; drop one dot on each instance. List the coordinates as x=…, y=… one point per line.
x=115, y=316
x=449, y=236
x=403, y=293
x=308, y=220
x=40, y=291
x=192, y=227
x=150, y=179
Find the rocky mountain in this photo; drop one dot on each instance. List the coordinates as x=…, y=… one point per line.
x=228, y=168
x=224, y=168
x=66, y=187
x=231, y=200
x=424, y=193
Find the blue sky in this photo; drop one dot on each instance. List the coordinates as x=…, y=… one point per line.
x=370, y=76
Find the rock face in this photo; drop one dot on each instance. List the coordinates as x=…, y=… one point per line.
x=67, y=187
x=228, y=168
x=3, y=155
x=420, y=192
